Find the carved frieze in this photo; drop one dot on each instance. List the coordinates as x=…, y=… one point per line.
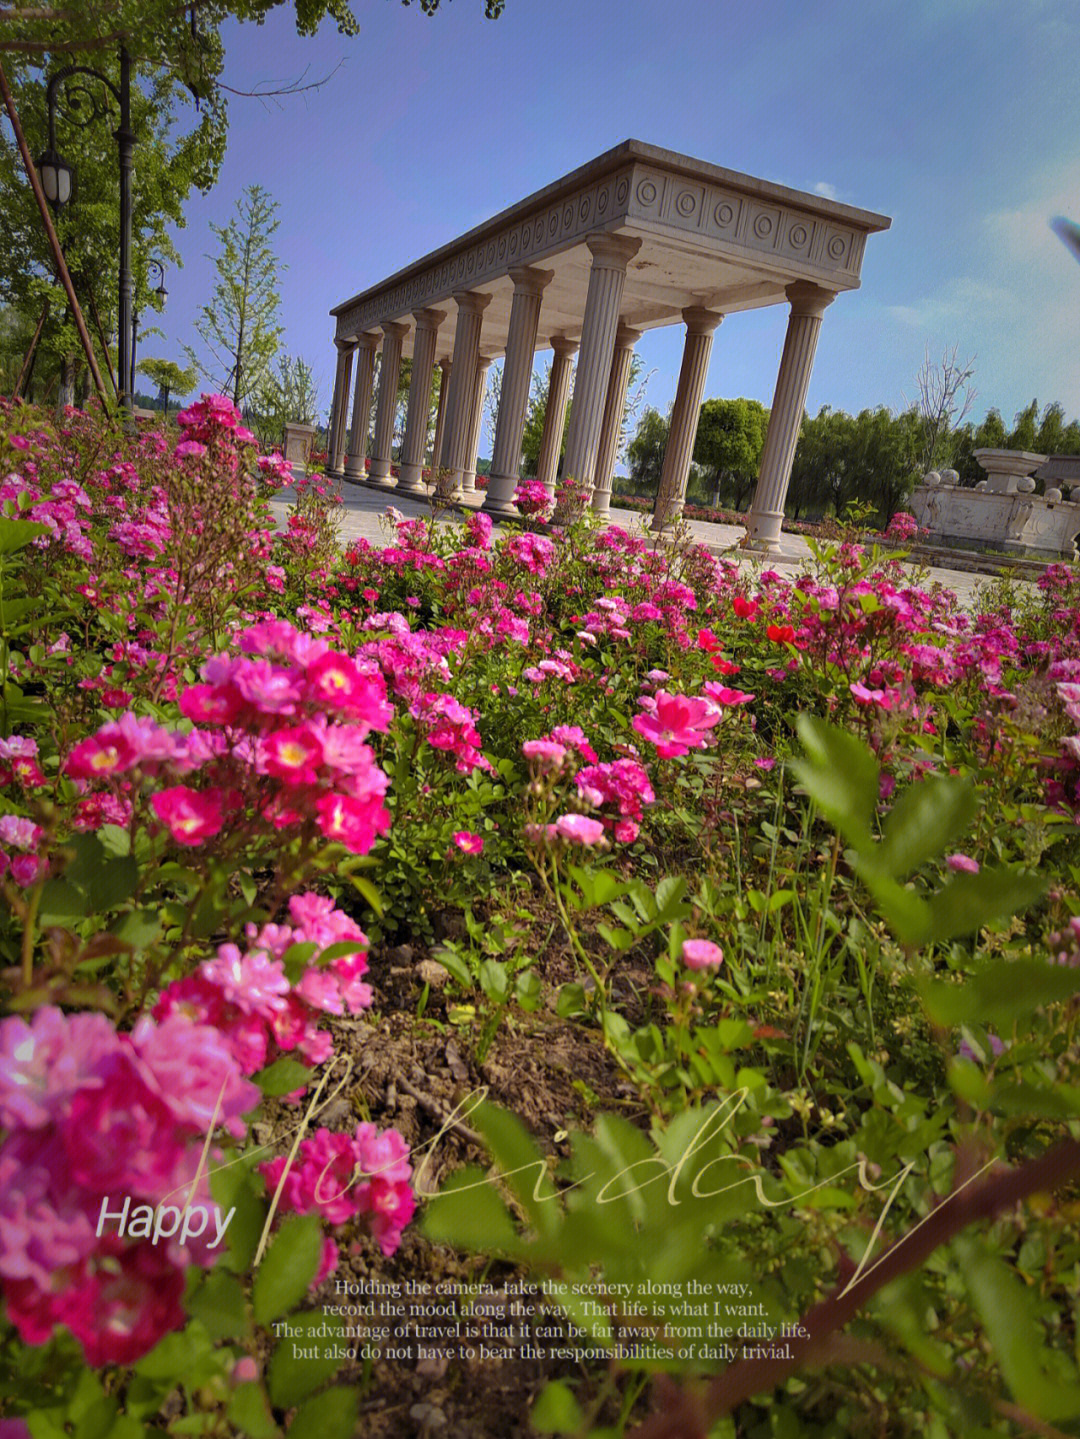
x=721, y=218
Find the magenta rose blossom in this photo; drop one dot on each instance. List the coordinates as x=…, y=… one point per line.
x=701, y=954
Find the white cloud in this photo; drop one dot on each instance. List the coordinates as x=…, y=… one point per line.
x=825, y=190
x=1016, y=305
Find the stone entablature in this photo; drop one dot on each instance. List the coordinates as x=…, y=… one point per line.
x=762, y=237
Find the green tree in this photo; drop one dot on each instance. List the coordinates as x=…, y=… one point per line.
x=645, y=452
x=287, y=393
x=168, y=164
x=184, y=38
x=169, y=378
x=945, y=397
x=239, y=326
x=730, y=438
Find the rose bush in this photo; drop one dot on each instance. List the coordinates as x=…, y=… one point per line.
x=234, y=761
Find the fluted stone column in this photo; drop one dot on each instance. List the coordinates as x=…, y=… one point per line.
x=382, y=448
x=614, y=405
x=529, y=286
x=611, y=254
x=416, y=420
x=336, y=429
x=462, y=394
x=808, y=304
x=679, y=449
x=440, y=415
x=547, y=466
x=356, y=458
x=468, y=478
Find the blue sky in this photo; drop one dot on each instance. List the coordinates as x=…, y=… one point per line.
x=958, y=118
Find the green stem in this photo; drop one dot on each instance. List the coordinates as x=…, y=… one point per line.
x=30, y=932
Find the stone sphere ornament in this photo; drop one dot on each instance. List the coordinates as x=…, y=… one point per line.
x=932, y=478
x=950, y=477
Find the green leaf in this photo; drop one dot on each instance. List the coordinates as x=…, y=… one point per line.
x=1010, y=1317
x=328, y=1416
x=571, y=1000
x=62, y=902
x=1002, y=993
x=17, y=534
x=282, y=1077
x=306, y=1359
x=556, y=1411
x=188, y=1352
x=250, y=1413
x=218, y=1304
x=840, y=774
x=289, y=1265
x=970, y=901
x=468, y=1213
x=928, y=817
x=370, y=893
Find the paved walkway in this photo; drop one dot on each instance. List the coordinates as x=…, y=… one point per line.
x=364, y=508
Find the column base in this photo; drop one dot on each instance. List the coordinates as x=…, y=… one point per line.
x=601, y=501
x=355, y=468
x=666, y=514
x=379, y=475
x=411, y=480
x=498, y=499
x=763, y=531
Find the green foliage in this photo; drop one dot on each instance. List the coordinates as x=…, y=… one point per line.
x=171, y=158
x=239, y=326
x=729, y=442
x=169, y=377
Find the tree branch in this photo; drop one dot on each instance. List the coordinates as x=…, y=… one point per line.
x=689, y=1412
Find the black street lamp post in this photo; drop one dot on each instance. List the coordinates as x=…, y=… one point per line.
x=162, y=293
x=56, y=180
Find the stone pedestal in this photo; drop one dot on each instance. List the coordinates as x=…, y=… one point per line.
x=1009, y=519
x=611, y=255
x=1007, y=470
x=808, y=304
x=514, y=396
x=614, y=407
x=547, y=467
x=356, y=456
x=410, y=477
x=382, y=446
x=297, y=444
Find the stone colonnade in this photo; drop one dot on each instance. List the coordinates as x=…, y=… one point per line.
x=604, y=355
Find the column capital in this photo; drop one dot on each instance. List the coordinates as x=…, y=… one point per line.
x=699, y=321
x=529, y=281
x=613, y=251
x=346, y=345
x=809, y=299
x=395, y=329
x=565, y=348
x=472, y=301
x=428, y=319
x=368, y=340
x=445, y=363
x=625, y=337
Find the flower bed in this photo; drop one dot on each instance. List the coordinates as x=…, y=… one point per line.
x=301, y=849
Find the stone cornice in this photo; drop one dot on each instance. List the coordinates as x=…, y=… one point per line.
x=636, y=190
